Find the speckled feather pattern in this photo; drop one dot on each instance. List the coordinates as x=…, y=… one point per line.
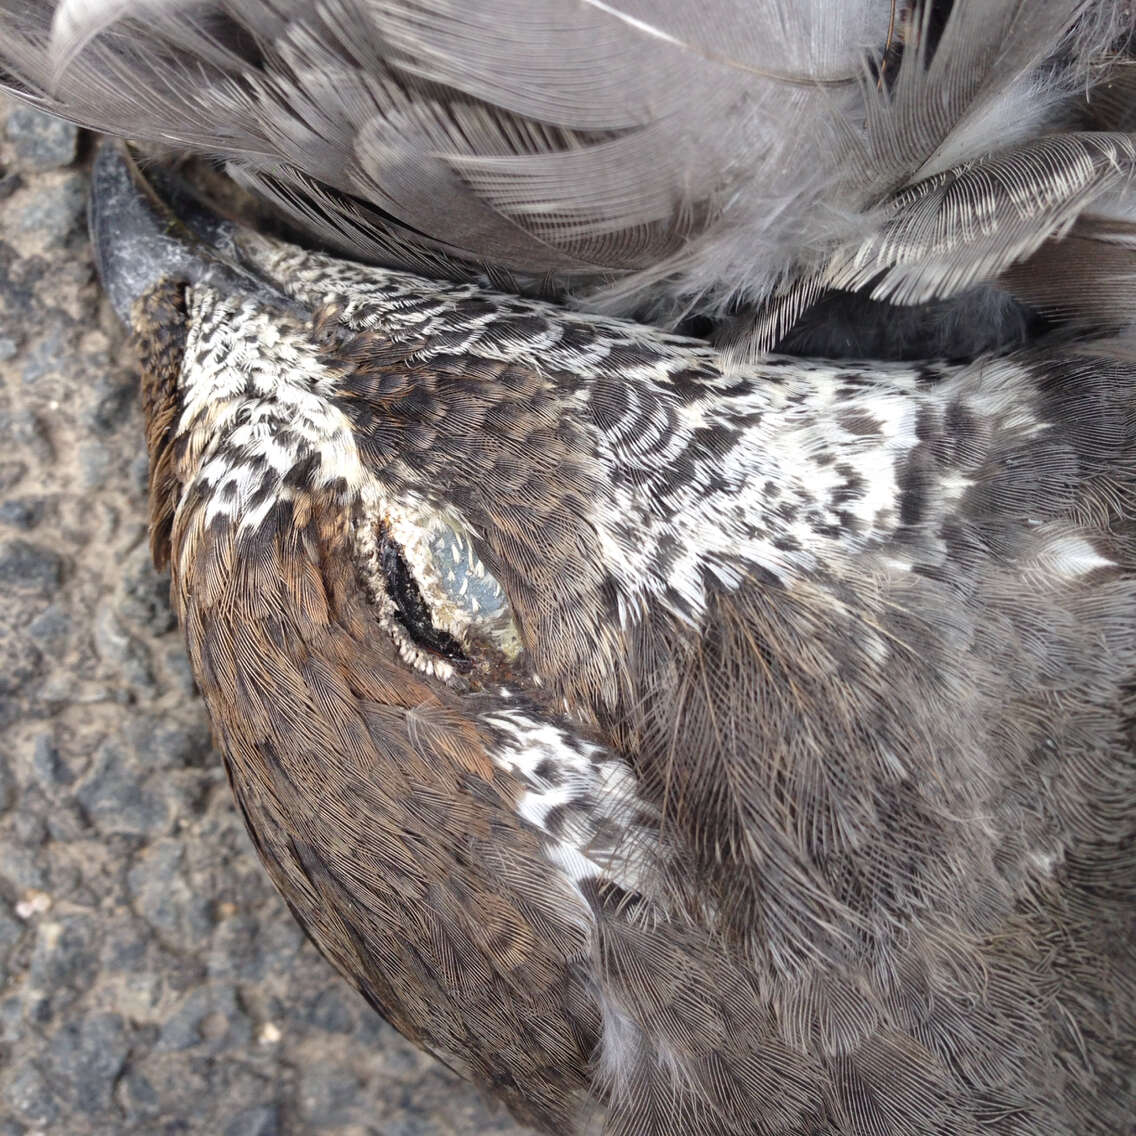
x=805, y=805
x=708, y=468
x=676, y=742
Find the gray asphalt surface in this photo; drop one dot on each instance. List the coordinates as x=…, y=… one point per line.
x=151, y=981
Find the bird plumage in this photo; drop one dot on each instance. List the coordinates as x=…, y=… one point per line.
x=668, y=735
x=642, y=156
x=843, y=769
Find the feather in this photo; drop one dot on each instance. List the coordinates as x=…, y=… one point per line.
x=1086, y=279
x=644, y=158
x=972, y=222
x=804, y=801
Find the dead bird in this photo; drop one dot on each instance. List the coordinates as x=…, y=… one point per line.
x=670, y=736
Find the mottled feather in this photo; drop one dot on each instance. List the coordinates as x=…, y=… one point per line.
x=674, y=740
x=748, y=838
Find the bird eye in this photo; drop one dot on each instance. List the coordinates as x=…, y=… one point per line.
x=410, y=610
x=445, y=612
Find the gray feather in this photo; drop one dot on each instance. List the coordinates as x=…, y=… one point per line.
x=970, y=223
x=642, y=156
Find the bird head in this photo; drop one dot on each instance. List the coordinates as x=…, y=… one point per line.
x=412, y=520
x=468, y=444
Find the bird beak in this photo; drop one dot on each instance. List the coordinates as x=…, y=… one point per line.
x=147, y=230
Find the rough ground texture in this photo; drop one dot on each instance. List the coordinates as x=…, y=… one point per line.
x=150, y=979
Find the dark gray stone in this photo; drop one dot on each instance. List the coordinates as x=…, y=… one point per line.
x=115, y=398
x=404, y=1123
x=22, y=284
x=164, y=898
x=95, y=464
x=30, y=1097
x=171, y=745
x=138, y=1097
x=7, y=783
x=11, y=928
x=47, y=357
x=117, y=645
x=29, y=826
x=11, y=1018
x=329, y=1010
x=185, y=794
x=209, y=1017
x=50, y=769
x=29, y=569
x=22, y=661
x=116, y=801
x=58, y=211
x=40, y=141
x=85, y=1057
x=22, y=512
x=186, y=1083
x=125, y=943
x=11, y=474
x=140, y=474
x=66, y=822
x=328, y=1094
x=180, y=672
x=26, y=430
x=40, y=1010
x=21, y=866
x=145, y=597
x=65, y=880
x=280, y=942
x=234, y=952
x=65, y=954
x=262, y=1120
x=50, y=629
x=238, y=1088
